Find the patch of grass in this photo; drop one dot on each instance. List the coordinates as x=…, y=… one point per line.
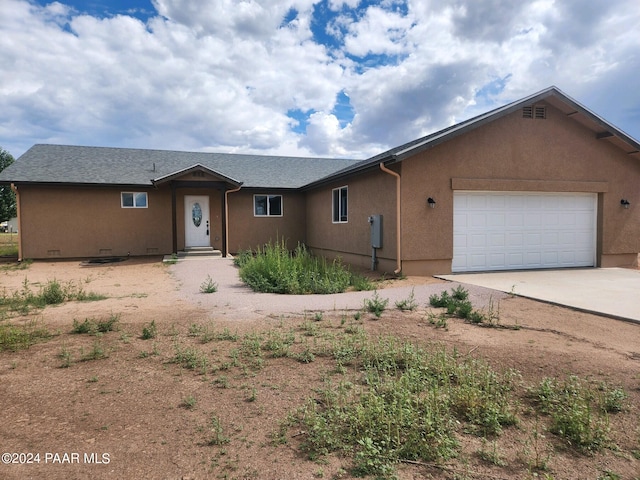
x=274, y=269
x=410, y=408
x=20, y=337
x=51, y=293
x=578, y=410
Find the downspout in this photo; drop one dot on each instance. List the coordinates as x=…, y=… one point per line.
x=226, y=218
x=15, y=190
x=398, y=229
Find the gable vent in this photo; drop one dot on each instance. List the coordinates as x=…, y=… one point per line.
x=537, y=112
x=198, y=174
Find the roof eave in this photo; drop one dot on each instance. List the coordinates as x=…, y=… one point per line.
x=199, y=167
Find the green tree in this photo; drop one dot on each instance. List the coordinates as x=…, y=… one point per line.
x=7, y=197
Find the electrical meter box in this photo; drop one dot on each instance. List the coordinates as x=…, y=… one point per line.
x=375, y=221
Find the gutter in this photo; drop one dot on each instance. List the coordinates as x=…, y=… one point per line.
x=226, y=218
x=398, y=223
x=15, y=190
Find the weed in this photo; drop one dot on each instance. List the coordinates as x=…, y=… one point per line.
x=254, y=395
x=208, y=286
x=65, y=356
x=19, y=337
x=216, y=433
x=306, y=356
x=97, y=352
x=149, y=331
x=88, y=326
x=108, y=325
x=491, y=455
x=574, y=412
x=190, y=358
x=376, y=305
x=53, y=293
x=409, y=303
x=274, y=269
x=189, y=402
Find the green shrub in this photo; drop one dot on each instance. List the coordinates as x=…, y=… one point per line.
x=53, y=293
x=274, y=269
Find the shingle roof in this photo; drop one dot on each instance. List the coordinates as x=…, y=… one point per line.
x=65, y=164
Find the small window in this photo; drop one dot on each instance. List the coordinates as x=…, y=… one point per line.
x=267, y=205
x=340, y=196
x=134, y=199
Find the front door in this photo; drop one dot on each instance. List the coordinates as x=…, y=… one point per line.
x=197, y=229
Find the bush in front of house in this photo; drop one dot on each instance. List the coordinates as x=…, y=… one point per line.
x=275, y=269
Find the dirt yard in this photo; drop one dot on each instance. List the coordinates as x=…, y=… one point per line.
x=117, y=405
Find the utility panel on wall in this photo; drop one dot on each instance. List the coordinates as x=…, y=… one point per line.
x=376, y=230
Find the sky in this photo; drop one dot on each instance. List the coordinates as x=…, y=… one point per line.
x=320, y=78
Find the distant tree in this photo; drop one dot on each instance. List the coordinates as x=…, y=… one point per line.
x=7, y=197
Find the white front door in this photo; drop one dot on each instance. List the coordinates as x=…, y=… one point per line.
x=197, y=227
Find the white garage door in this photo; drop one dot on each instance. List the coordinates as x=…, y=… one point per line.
x=520, y=230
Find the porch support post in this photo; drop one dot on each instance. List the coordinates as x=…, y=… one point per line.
x=174, y=223
x=223, y=202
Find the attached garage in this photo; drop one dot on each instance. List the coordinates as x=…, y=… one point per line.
x=523, y=230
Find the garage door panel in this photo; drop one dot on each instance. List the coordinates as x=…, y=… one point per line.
x=500, y=230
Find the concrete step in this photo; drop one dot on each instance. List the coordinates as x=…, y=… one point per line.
x=199, y=252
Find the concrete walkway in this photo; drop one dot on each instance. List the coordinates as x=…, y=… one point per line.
x=614, y=292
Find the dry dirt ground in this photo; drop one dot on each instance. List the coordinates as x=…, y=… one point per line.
x=120, y=406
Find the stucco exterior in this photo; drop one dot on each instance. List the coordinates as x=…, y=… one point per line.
x=72, y=222
x=512, y=153
x=371, y=194
x=63, y=222
x=69, y=198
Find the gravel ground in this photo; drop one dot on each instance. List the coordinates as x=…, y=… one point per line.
x=237, y=301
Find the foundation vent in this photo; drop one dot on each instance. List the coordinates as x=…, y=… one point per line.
x=53, y=253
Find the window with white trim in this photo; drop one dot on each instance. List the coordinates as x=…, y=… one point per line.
x=267, y=205
x=133, y=199
x=340, y=196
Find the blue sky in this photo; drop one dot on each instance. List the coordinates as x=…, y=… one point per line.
x=331, y=78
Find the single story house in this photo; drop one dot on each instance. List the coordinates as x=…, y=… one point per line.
x=540, y=183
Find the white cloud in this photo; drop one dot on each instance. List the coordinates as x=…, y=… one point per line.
x=223, y=76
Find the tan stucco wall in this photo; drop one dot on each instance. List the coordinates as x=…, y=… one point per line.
x=247, y=231
x=215, y=215
x=512, y=153
x=89, y=222
x=557, y=154
x=370, y=194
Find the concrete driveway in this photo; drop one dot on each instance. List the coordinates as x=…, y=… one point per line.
x=614, y=292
